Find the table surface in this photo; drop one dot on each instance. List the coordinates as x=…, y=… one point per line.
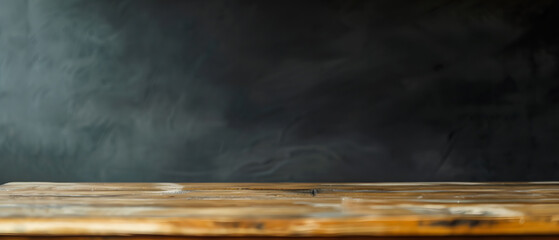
x=279, y=209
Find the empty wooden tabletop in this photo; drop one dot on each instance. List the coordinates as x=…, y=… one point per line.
x=279, y=209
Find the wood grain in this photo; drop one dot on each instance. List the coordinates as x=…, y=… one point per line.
x=279, y=209
x=157, y=237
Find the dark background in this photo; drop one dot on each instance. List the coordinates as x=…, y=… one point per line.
x=206, y=90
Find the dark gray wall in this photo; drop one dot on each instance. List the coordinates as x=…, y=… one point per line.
x=130, y=90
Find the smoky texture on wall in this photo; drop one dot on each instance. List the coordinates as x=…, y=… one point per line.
x=265, y=91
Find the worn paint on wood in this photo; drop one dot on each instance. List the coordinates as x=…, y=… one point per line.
x=279, y=209
x=158, y=237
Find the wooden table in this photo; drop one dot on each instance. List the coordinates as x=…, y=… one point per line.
x=36, y=210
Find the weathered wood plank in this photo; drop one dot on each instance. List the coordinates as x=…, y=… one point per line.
x=279, y=209
x=154, y=237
